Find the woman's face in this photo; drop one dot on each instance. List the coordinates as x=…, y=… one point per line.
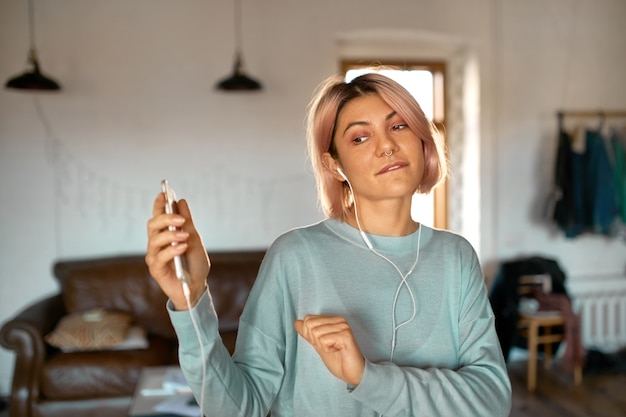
x=377, y=151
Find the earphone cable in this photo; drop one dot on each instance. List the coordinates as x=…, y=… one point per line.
x=403, y=282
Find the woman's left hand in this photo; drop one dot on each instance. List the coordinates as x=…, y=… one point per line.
x=332, y=338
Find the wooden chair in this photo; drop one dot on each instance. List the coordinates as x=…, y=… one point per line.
x=541, y=328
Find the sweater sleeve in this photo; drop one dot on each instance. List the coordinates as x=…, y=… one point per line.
x=478, y=386
x=222, y=386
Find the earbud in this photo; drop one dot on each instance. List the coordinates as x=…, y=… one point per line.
x=340, y=172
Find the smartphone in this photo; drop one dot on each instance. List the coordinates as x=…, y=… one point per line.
x=180, y=262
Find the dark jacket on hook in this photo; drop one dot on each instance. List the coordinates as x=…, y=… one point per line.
x=565, y=210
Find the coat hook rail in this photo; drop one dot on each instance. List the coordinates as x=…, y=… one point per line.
x=602, y=114
x=591, y=113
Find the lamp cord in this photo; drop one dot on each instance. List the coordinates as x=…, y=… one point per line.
x=31, y=24
x=237, y=21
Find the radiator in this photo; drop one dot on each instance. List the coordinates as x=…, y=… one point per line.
x=601, y=303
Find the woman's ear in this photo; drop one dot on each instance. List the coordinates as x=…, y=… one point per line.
x=332, y=166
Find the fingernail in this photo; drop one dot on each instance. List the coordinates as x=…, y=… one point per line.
x=178, y=220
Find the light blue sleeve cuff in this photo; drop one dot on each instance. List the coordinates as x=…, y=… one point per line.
x=374, y=377
x=205, y=317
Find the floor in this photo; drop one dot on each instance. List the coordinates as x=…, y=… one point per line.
x=556, y=396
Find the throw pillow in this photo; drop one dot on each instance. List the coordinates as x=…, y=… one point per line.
x=96, y=329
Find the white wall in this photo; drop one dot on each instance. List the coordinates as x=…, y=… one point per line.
x=552, y=55
x=80, y=168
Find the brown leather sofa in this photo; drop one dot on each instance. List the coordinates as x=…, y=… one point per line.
x=51, y=383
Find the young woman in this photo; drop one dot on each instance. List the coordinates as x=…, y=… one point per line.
x=365, y=313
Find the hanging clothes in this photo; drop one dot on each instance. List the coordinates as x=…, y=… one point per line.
x=585, y=187
x=599, y=185
x=564, y=211
x=618, y=143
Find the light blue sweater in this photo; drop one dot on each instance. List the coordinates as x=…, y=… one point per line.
x=447, y=361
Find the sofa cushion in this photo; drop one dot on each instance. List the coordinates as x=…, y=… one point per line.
x=97, y=374
x=95, y=329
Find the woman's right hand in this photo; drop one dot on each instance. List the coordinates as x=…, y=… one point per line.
x=164, y=244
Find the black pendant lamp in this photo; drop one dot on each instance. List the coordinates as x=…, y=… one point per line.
x=32, y=80
x=238, y=81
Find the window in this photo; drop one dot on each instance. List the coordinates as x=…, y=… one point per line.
x=425, y=81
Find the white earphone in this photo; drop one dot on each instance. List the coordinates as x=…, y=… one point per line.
x=340, y=172
x=403, y=281
x=356, y=212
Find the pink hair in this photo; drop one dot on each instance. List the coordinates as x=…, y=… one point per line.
x=323, y=110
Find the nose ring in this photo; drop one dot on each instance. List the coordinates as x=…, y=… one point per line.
x=388, y=153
